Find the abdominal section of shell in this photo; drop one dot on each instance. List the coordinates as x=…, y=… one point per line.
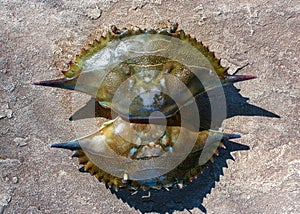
x=150, y=80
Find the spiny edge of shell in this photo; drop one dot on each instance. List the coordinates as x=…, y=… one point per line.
x=117, y=183
x=75, y=67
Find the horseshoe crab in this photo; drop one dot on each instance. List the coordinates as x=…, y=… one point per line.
x=150, y=80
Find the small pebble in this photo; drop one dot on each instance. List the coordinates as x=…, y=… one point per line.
x=15, y=180
x=3, y=71
x=217, y=13
x=94, y=13
x=20, y=141
x=9, y=113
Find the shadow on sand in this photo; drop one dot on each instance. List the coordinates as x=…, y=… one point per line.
x=189, y=197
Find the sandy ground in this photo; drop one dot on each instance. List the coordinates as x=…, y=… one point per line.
x=38, y=39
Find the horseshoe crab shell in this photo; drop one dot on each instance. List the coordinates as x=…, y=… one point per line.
x=156, y=70
x=136, y=73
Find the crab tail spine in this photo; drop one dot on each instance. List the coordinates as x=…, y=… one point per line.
x=71, y=145
x=230, y=136
x=238, y=78
x=64, y=83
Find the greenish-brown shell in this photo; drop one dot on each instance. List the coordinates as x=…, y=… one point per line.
x=114, y=149
x=148, y=63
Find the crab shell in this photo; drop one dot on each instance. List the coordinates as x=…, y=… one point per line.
x=148, y=156
x=154, y=70
x=135, y=73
